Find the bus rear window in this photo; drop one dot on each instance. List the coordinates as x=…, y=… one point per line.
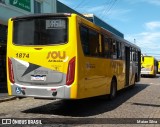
x=40, y=31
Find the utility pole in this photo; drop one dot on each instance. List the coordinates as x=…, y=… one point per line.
x=134, y=41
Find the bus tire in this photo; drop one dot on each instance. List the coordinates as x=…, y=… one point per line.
x=113, y=89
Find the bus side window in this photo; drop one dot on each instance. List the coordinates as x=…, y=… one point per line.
x=123, y=51
x=84, y=40
x=119, y=50
x=134, y=54
x=102, y=47
x=89, y=41
x=114, y=51
x=131, y=54
x=94, y=43
x=107, y=46
x=111, y=47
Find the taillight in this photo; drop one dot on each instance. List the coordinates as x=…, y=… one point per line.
x=71, y=71
x=10, y=67
x=152, y=67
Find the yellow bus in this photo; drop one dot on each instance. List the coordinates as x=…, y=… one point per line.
x=158, y=67
x=149, y=66
x=66, y=56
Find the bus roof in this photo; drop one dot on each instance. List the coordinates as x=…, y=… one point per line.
x=41, y=15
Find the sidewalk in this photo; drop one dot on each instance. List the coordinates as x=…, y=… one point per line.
x=4, y=97
x=4, y=93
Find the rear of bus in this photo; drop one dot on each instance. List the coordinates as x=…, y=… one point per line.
x=41, y=56
x=147, y=66
x=158, y=67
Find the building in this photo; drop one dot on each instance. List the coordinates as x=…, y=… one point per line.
x=23, y=7
x=103, y=24
x=61, y=8
x=12, y=8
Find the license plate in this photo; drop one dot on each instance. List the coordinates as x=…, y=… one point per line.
x=144, y=72
x=38, y=77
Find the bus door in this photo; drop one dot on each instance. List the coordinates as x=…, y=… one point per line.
x=127, y=63
x=139, y=66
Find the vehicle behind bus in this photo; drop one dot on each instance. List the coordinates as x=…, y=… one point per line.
x=149, y=66
x=158, y=67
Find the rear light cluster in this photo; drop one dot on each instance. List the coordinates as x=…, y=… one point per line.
x=10, y=68
x=71, y=71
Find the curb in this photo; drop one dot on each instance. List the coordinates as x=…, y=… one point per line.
x=7, y=99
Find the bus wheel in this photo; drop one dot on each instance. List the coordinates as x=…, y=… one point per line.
x=113, y=89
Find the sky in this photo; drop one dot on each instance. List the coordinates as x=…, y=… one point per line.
x=138, y=20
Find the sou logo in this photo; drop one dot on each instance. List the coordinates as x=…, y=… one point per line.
x=56, y=54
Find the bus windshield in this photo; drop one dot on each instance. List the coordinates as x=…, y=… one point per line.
x=40, y=31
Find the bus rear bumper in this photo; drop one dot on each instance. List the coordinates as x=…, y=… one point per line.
x=145, y=72
x=60, y=92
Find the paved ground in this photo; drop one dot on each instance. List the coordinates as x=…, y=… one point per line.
x=138, y=104
x=3, y=93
